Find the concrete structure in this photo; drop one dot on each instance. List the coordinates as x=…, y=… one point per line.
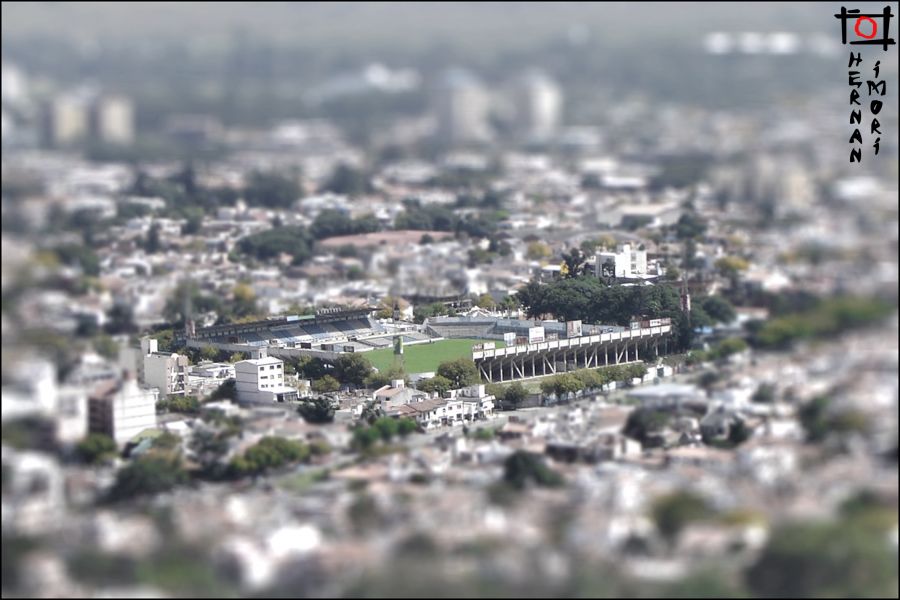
x=666, y=395
x=122, y=410
x=397, y=394
x=34, y=495
x=68, y=121
x=163, y=370
x=462, y=108
x=213, y=370
x=260, y=380
x=548, y=358
x=538, y=103
x=477, y=404
x=113, y=120
x=626, y=263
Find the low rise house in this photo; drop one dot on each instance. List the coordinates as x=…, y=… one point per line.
x=667, y=396
x=397, y=394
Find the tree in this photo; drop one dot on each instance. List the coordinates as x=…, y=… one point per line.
x=364, y=438
x=511, y=396
x=642, y=422
x=269, y=453
x=270, y=244
x=522, y=468
x=731, y=266
x=764, y=394
x=148, y=475
x=95, y=448
x=316, y=410
x=818, y=560
x=152, y=243
x=538, y=251
x=209, y=447
x=561, y=385
x=352, y=369
x=326, y=384
x=387, y=428
x=209, y=352
x=226, y=391
x=406, y=426
x=348, y=181
x=377, y=380
x=180, y=404
x=590, y=379
x=738, y=433
x=461, y=372
x=106, y=346
x=690, y=226
x=244, y=302
x=486, y=301
x=635, y=371
x=730, y=346
x=330, y=223
x=371, y=412
x=309, y=368
x=236, y=357
x=674, y=511
x=574, y=263
x=718, y=308
x=438, y=384
x=271, y=190
x=673, y=273
x=120, y=319
x=820, y=420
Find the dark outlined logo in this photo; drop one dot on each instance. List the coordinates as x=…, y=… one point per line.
x=866, y=27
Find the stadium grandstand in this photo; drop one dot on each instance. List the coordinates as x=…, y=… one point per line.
x=494, y=329
x=328, y=332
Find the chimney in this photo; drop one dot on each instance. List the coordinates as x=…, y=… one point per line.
x=398, y=383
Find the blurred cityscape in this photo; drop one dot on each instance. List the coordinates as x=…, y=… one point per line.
x=451, y=299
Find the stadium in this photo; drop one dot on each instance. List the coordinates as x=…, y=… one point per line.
x=502, y=349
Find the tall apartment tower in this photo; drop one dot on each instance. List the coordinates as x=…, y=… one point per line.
x=538, y=102
x=462, y=108
x=113, y=120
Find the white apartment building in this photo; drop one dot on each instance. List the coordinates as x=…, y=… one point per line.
x=122, y=410
x=260, y=380
x=114, y=120
x=538, y=106
x=163, y=370
x=462, y=108
x=627, y=262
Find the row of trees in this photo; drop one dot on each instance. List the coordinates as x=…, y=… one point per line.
x=589, y=299
x=821, y=318
x=383, y=429
x=590, y=379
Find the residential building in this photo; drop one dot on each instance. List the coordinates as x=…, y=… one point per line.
x=666, y=396
x=538, y=106
x=477, y=404
x=626, y=262
x=164, y=370
x=261, y=380
x=123, y=409
x=113, y=120
x=462, y=108
x=397, y=394
x=68, y=121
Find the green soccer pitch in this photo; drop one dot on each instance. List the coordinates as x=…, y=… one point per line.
x=424, y=358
